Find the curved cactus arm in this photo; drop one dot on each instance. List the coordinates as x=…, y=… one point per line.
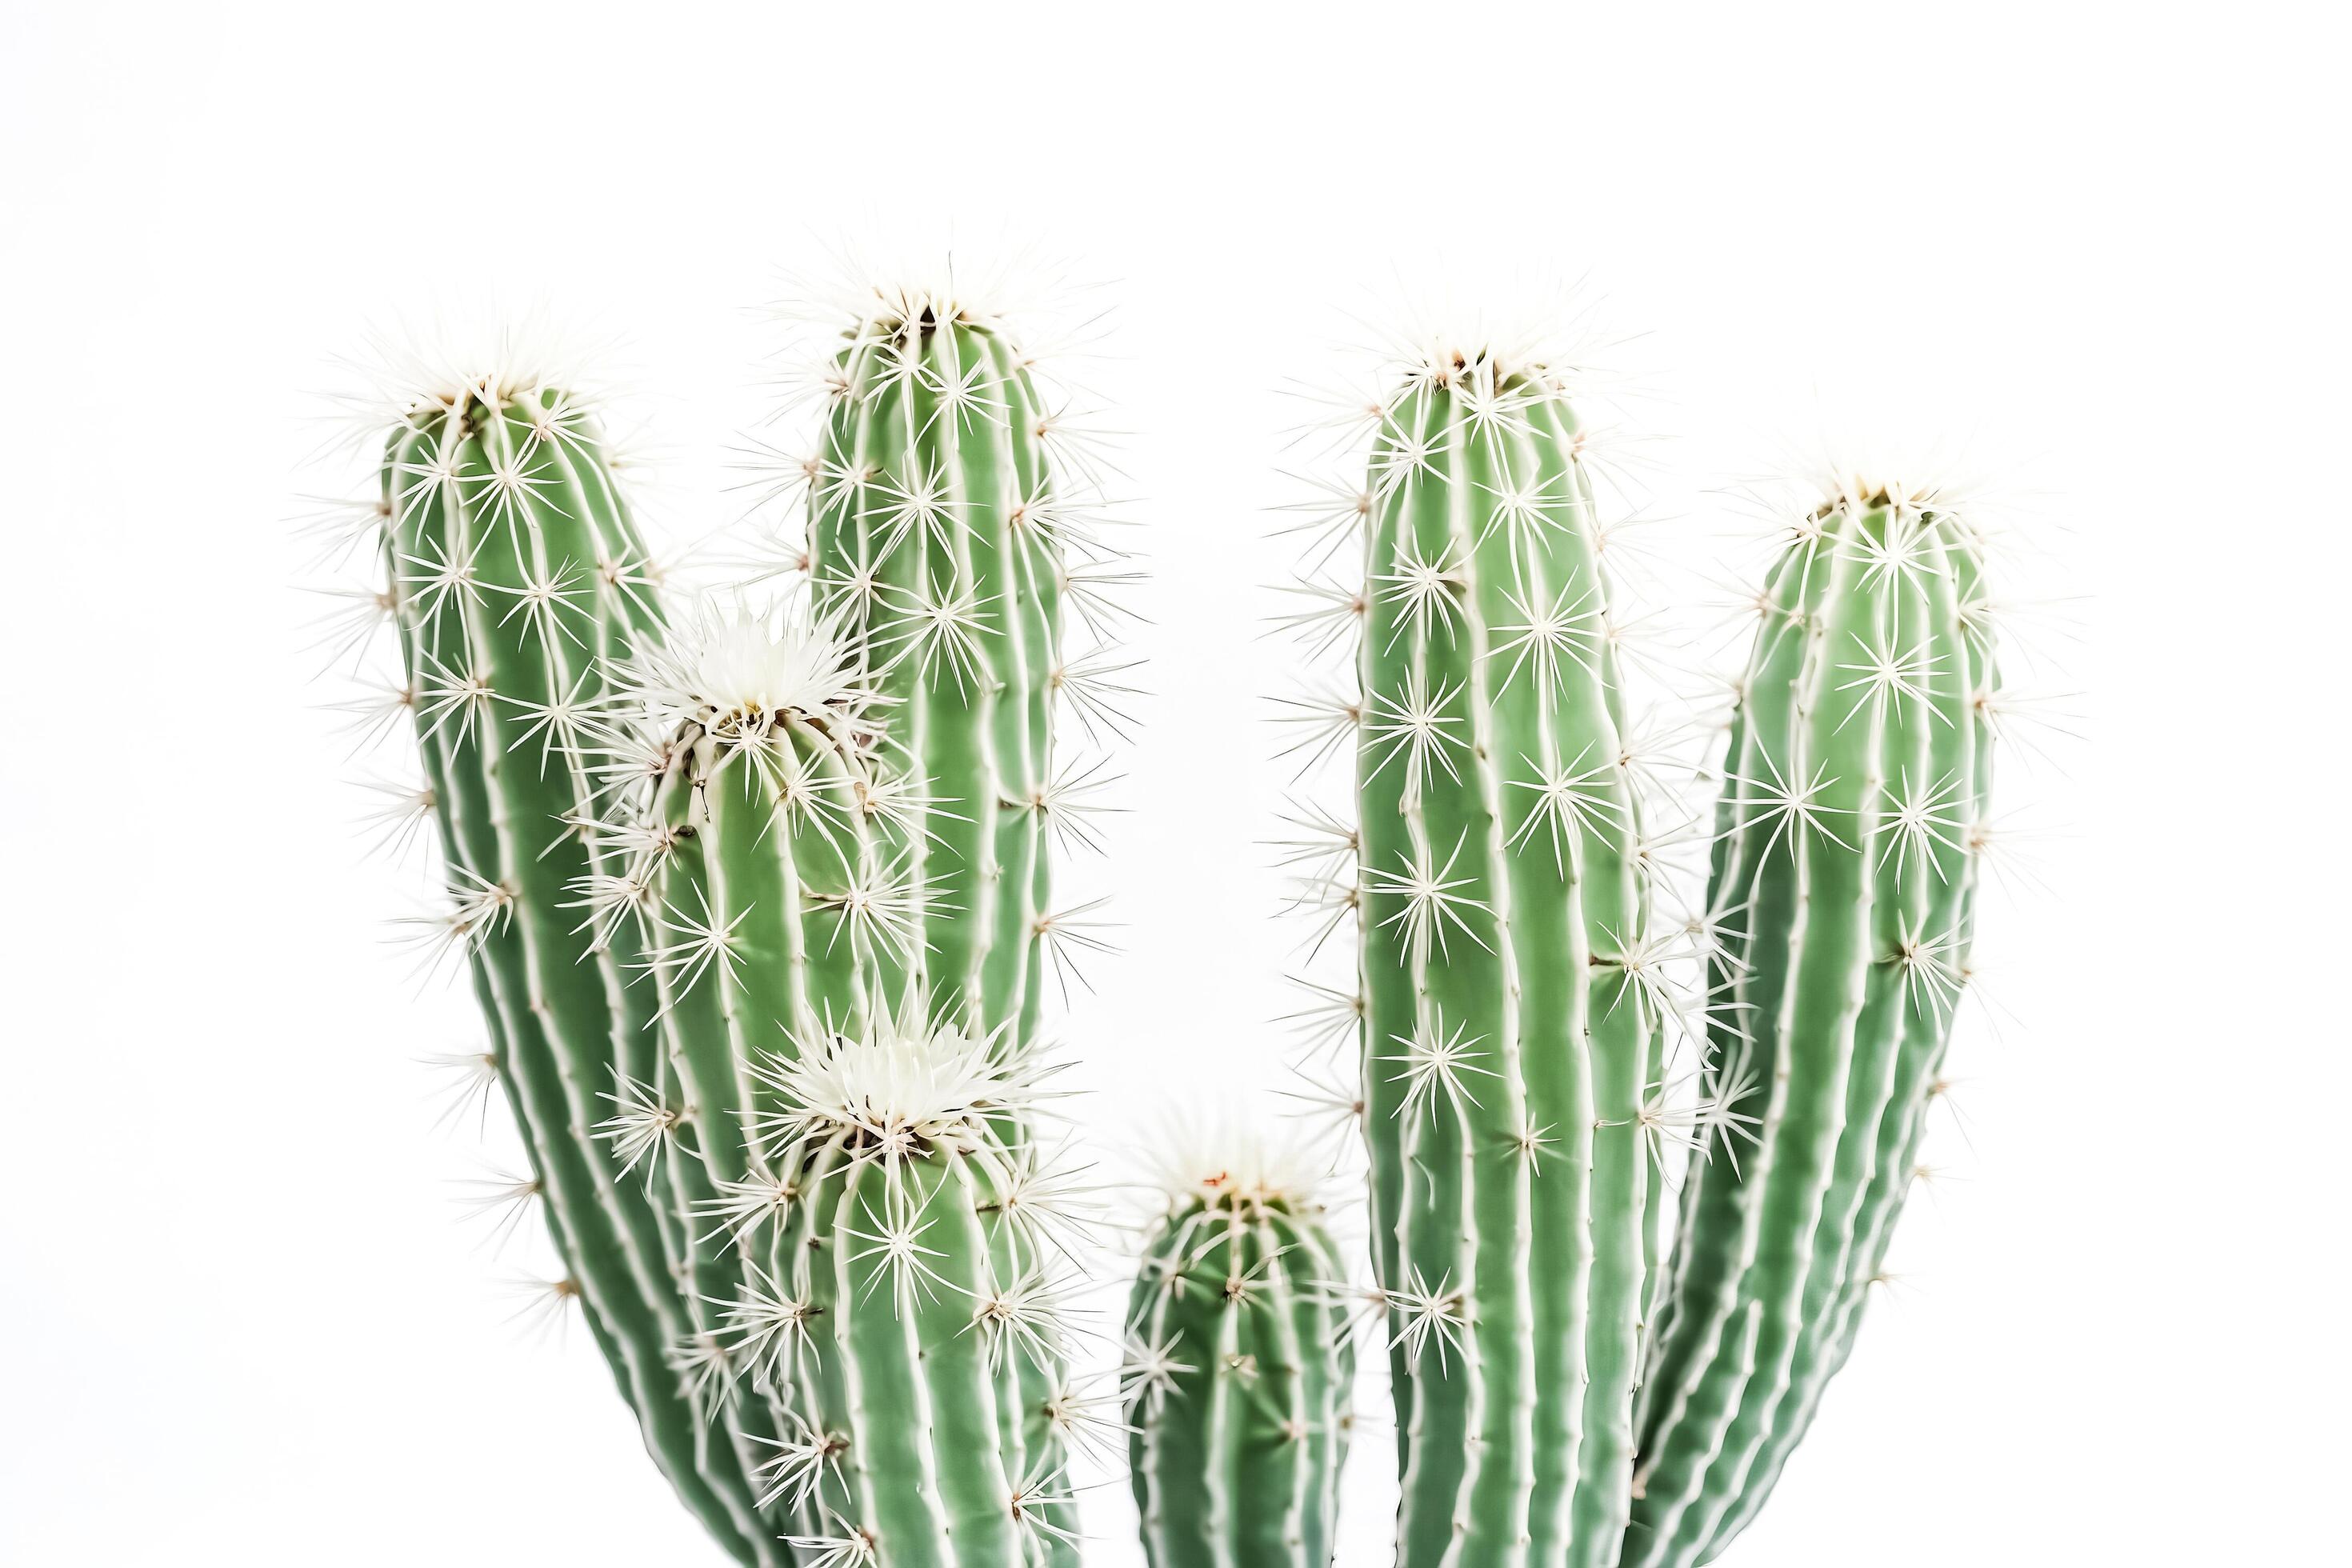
x=1854, y=783
x=1938, y=820
x=515, y=574
x=1239, y=1368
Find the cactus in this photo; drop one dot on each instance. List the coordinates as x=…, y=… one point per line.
x=902, y=1312
x=809, y=1130
x=1512, y=1006
x=516, y=578
x=948, y=527
x=689, y=871
x=758, y=903
x=1240, y=1365
x=1839, y=901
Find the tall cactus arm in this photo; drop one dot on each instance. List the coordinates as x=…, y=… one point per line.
x=1855, y=779
x=946, y=532
x=1511, y=1013
x=515, y=574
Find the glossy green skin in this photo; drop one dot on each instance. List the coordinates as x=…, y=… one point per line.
x=974, y=719
x=562, y=1014
x=1528, y=1191
x=1776, y=1252
x=1237, y=1464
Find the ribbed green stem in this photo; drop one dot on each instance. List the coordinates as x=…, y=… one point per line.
x=924, y=540
x=1507, y=1040
x=1857, y=772
x=662, y=925
x=517, y=570
x=1237, y=1440
x=932, y=1454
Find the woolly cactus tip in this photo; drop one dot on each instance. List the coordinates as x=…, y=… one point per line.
x=445, y=366
x=902, y=1090
x=1466, y=357
x=1224, y=1162
x=1865, y=456
x=917, y=304
x=1906, y=488
x=731, y=668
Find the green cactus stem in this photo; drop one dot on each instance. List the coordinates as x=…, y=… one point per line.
x=1840, y=904
x=517, y=578
x=1239, y=1366
x=902, y=1312
x=1511, y=1004
x=948, y=531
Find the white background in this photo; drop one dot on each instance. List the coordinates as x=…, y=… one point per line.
x=240, y=1319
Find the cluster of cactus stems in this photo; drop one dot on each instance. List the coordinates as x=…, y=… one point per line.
x=1612, y=1299
x=757, y=900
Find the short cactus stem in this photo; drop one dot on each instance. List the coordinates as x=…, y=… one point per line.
x=1511, y=1016
x=899, y=1312
x=1841, y=896
x=1240, y=1361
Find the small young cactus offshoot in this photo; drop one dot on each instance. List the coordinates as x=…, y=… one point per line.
x=1844, y=877
x=1510, y=1004
x=1239, y=1366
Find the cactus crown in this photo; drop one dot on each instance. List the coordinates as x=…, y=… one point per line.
x=1479, y=363
x=904, y=1090
x=911, y=307
x=472, y=372
x=735, y=673
x=1235, y=1171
